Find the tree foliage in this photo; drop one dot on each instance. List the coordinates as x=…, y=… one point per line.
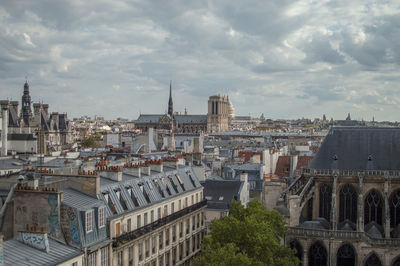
x=90, y=142
x=248, y=236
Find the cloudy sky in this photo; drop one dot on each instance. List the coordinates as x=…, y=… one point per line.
x=286, y=59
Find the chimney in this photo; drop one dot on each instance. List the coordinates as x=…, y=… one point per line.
x=156, y=166
x=36, y=240
x=14, y=106
x=36, y=109
x=4, y=129
x=110, y=172
x=134, y=171
x=145, y=169
x=46, y=109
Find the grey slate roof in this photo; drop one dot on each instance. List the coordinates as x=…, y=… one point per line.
x=220, y=194
x=11, y=163
x=148, y=118
x=17, y=253
x=80, y=201
x=145, y=185
x=360, y=148
x=191, y=119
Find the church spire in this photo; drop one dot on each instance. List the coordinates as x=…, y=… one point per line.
x=170, y=104
x=26, y=105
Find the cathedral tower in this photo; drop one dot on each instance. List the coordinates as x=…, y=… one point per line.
x=170, y=104
x=26, y=105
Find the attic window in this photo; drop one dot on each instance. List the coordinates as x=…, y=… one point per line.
x=173, y=184
x=370, y=157
x=208, y=198
x=221, y=198
x=191, y=179
x=146, y=196
x=180, y=182
x=159, y=188
x=89, y=221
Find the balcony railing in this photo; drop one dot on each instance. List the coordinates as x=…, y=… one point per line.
x=350, y=235
x=353, y=173
x=129, y=236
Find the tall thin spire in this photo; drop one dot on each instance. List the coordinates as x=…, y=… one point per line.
x=170, y=104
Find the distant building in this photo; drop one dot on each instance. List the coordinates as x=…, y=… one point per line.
x=38, y=132
x=217, y=116
x=172, y=122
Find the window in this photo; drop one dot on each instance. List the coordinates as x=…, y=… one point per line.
x=165, y=210
x=159, y=212
x=180, y=182
x=180, y=229
x=145, y=219
x=348, y=204
x=187, y=247
x=193, y=243
x=101, y=217
x=167, y=237
x=325, y=201
x=192, y=180
x=192, y=200
x=92, y=259
x=373, y=260
x=173, y=184
x=117, y=229
x=198, y=220
x=160, y=240
x=186, y=203
x=201, y=195
x=74, y=264
x=174, y=233
x=134, y=198
x=152, y=216
x=180, y=251
x=119, y=262
x=187, y=225
x=373, y=208
x=193, y=222
x=317, y=255
x=147, y=247
x=202, y=219
x=104, y=256
x=131, y=256
x=89, y=221
x=179, y=205
x=172, y=207
x=167, y=259
x=139, y=221
x=153, y=244
x=140, y=253
x=346, y=255
x=197, y=197
x=128, y=225
x=394, y=202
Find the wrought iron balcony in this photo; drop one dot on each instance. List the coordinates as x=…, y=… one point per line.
x=129, y=236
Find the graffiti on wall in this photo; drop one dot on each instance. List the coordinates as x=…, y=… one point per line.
x=72, y=231
x=36, y=240
x=54, y=226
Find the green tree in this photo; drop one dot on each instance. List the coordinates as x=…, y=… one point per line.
x=90, y=142
x=248, y=236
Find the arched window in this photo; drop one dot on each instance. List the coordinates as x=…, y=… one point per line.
x=394, y=203
x=346, y=256
x=299, y=250
x=373, y=208
x=373, y=260
x=348, y=204
x=325, y=201
x=396, y=262
x=317, y=255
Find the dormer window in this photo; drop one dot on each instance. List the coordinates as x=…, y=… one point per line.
x=101, y=217
x=89, y=221
x=191, y=179
x=173, y=184
x=180, y=182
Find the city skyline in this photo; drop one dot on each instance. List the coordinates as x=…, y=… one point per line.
x=286, y=60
